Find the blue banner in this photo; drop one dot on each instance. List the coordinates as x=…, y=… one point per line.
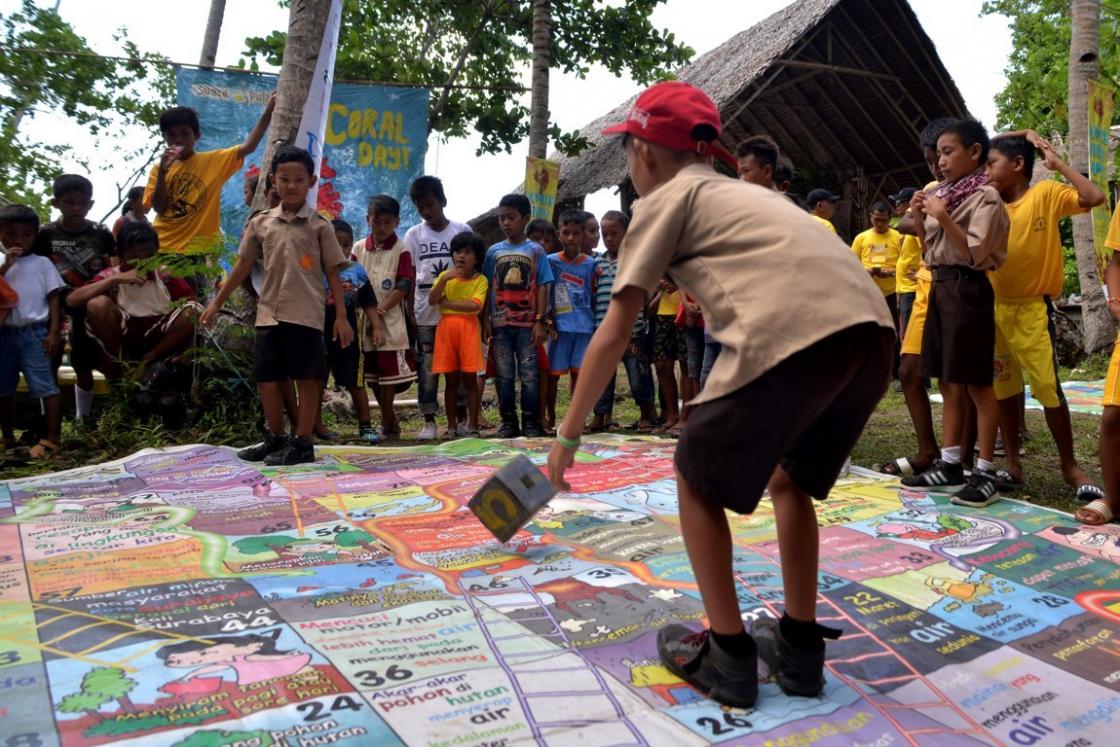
x=375, y=141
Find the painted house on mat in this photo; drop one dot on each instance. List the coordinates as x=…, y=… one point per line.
x=843, y=86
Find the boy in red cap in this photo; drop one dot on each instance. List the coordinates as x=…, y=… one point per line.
x=801, y=370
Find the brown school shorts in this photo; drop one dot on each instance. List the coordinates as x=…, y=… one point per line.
x=805, y=414
x=959, y=340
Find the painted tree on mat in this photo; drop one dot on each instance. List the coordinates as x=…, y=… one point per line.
x=275, y=543
x=356, y=538
x=111, y=684
x=485, y=46
x=84, y=702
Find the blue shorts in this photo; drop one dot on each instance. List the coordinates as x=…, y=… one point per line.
x=21, y=349
x=565, y=353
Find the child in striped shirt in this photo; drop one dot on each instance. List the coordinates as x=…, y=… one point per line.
x=635, y=359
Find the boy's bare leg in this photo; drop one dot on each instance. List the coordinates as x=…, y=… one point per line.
x=1110, y=456
x=310, y=402
x=987, y=420
x=473, y=403
x=667, y=380
x=707, y=538
x=1061, y=428
x=290, y=406
x=104, y=320
x=1010, y=426
x=52, y=409
x=385, y=395
x=553, y=386
x=272, y=402
x=798, y=543
x=361, y=402
x=451, y=400
x=921, y=415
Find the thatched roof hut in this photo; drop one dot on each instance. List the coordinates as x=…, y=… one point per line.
x=843, y=86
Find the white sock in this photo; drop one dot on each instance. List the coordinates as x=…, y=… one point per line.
x=985, y=465
x=83, y=401
x=951, y=454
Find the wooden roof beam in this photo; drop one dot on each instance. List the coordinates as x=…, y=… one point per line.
x=835, y=69
x=872, y=152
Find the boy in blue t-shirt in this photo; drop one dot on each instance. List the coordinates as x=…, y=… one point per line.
x=519, y=275
x=573, y=299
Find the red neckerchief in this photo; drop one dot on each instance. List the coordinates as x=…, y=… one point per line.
x=390, y=242
x=956, y=192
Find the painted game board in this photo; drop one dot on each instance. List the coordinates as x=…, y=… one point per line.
x=185, y=598
x=1081, y=396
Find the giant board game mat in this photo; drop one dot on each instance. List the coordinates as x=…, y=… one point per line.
x=1081, y=396
x=186, y=598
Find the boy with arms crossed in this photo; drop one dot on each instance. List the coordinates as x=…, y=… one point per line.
x=786, y=400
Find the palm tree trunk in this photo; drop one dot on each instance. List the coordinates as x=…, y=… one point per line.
x=1084, y=51
x=307, y=20
x=213, y=31
x=542, y=59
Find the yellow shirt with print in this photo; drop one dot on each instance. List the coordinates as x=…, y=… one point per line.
x=909, y=261
x=881, y=250
x=191, y=221
x=826, y=223
x=1034, y=265
x=458, y=289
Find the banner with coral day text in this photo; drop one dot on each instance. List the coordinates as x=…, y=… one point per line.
x=374, y=141
x=1100, y=122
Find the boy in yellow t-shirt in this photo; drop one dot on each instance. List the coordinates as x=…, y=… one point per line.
x=185, y=186
x=1104, y=509
x=878, y=249
x=1024, y=288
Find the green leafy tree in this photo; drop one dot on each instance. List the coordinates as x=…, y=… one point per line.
x=84, y=702
x=474, y=55
x=112, y=684
x=46, y=66
x=213, y=738
x=356, y=538
x=274, y=543
x=1038, y=70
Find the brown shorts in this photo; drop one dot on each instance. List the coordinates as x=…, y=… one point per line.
x=390, y=367
x=959, y=340
x=805, y=414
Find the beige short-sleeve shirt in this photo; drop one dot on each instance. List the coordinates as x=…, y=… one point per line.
x=984, y=219
x=296, y=251
x=770, y=280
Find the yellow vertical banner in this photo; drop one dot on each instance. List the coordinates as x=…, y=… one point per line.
x=1100, y=122
x=541, y=179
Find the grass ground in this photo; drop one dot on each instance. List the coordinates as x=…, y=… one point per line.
x=233, y=420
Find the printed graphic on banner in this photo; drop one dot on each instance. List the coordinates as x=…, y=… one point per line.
x=183, y=598
x=1100, y=123
x=374, y=141
x=542, y=177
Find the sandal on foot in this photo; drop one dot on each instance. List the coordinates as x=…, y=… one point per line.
x=1089, y=493
x=43, y=449
x=1100, y=508
x=901, y=467
x=1006, y=481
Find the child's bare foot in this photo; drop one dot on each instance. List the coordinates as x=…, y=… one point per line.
x=598, y=424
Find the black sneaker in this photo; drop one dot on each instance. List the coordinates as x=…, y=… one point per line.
x=797, y=670
x=531, y=429
x=298, y=451
x=940, y=476
x=699, y=661
x=257, y=453
x=507, y=430
x=979, y=491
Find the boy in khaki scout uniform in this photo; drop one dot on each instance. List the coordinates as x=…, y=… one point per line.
x=297, y=247
x=800, y=372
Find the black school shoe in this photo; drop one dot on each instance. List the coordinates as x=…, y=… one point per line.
x=698, y=660
x=508, y=430
x=257, y=452
x=940, y=476
x=980, y=491
x=798, y=670
x=531, y=428
x=298, y=451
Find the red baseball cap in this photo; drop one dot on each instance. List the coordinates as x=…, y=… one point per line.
x=666, y=114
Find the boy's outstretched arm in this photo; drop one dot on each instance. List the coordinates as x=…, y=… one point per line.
x=599, y=364
x=253, y=139
x=241, y=270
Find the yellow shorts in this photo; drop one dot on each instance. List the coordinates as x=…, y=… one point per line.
x=915, y=328
x=1025, y=344
x=1112, y=383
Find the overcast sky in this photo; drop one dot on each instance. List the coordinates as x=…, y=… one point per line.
x=975, y=51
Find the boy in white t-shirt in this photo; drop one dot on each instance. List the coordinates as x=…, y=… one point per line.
x=30, y=335
x=429, y=243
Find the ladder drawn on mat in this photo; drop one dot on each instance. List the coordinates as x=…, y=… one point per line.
x=514, y=663
x=769, y=594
